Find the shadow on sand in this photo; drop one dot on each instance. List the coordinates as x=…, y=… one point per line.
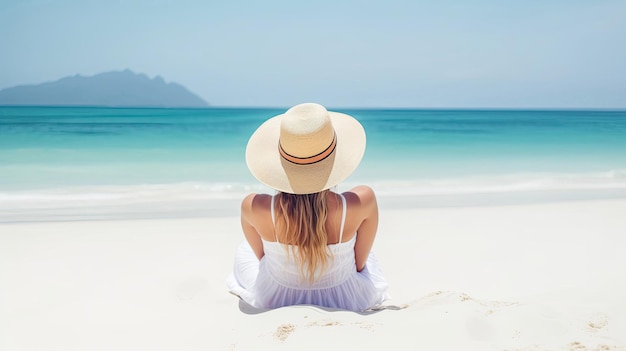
x=248, y=309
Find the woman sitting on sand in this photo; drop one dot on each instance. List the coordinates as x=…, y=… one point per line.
x=308, y=244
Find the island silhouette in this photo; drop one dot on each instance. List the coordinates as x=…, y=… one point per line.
x=109, y=89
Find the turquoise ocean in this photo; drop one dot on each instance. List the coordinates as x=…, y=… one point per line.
x=86, y=162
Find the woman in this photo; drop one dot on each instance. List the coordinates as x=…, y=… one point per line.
x=308, y=244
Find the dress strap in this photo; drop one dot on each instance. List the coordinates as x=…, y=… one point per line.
x=343, y=216
x=272, y=210
x=273, y=218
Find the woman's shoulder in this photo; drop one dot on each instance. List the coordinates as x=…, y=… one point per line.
x=361, y=196
x=255, y=203
x=362, y=193
x=255, y=198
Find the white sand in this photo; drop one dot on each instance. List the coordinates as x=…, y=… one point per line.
x=525, y=277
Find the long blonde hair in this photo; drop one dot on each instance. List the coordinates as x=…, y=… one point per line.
x=301, y=218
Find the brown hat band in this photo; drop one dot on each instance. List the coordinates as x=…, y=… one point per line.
x=311, y=159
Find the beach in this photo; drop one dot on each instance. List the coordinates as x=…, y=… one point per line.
x=540, y=276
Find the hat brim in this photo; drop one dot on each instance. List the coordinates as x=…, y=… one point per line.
x=266, y=164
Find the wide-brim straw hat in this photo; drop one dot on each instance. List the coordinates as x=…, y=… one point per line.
x=305, y=150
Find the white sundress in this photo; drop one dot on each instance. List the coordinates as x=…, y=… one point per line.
x=275, y=281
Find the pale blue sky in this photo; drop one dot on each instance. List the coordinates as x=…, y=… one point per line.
x=446, y=54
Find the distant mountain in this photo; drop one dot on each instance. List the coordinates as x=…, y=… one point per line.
x=113, y=89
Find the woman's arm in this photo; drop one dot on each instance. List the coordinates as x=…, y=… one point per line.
x=364, y=201
x=248, y=221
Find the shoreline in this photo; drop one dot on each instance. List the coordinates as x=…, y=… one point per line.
x=180, y=207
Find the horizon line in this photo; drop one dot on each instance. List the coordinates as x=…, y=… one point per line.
x=422, y=108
